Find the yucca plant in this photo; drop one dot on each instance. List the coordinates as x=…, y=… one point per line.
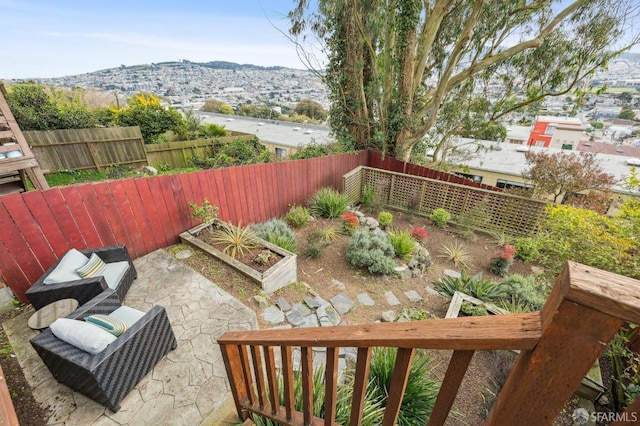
x=402, y=242
x=331, y=233
x=328, y=202
x=236, y=239
x=502, y=239
x=457, y=253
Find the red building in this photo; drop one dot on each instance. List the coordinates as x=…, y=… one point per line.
x=545, y=127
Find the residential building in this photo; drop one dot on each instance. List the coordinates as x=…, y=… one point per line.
x=556, y=132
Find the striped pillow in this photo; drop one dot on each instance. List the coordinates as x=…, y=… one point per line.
x=94, y=267
x=112, y=325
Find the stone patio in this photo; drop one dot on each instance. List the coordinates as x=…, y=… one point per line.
x=187, y=386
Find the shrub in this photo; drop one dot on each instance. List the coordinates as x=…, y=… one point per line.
x=373, y=252
x=206, y=212
x=368, y=196
x=525, y=290
x=419, y=234
x=314, y=249
x=328, y=203
x=402, y=243
x=472, y=310
x=298, y=216
x=502, y=262
x=277, y=232
x=440, y=217
x=384, y=219
x=420, y=393
x=457, y=253
x=349, y=223
x=236, y=239
x=526, y=249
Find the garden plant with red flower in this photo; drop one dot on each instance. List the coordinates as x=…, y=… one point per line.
x=419, y=234
x=500, y=265
x=349, y=223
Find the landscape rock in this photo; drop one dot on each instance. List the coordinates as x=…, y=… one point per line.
x=358, y=213
x=402, y=271
x=432, y=291
x=263, y=302
x=391, y=298
x=365, y=300
x=310, y=321
x=416, y=273
x=184, y=254
x=300, y=309
x=333, y=316
x=451, y=273
x=315, y=302
x=372, y=223
x=337, y=284
x=388, y=316
x=283, y=304
x=342, y=303
x=273, y=315
x=413, y=295
x=294, y=318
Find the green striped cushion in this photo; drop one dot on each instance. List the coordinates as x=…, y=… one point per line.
x=94, y=267
x=112, y=325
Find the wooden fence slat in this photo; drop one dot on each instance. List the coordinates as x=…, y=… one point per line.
x=96, y=213
x=220, y=199
x=166, y=186
x=48, y=223
x=155, y=209
x=28, y=227
x=179, y=186
x=113, y=218
x=67, y=206
x=11, y=271
x=140, y=215
x=18, y=247
x=123, y=206
x=227, y=192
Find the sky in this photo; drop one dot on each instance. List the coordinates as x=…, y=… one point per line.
x=44, y=38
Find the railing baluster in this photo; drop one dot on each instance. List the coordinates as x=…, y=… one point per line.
x=256, y=357
x=452, y=379
x=360, y=385
x=287, y=378
x=307, y=384
x=398, y=385
x=231, y=359
x=331, y=386
x=274, y=396
x=246, y=370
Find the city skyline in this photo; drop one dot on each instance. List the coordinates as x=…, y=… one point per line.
x=45, y=40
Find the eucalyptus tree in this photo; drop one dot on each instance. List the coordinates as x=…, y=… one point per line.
x=393, y=66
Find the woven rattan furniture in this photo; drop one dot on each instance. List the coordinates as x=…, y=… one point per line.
x=43, y=317
x=107, y=377
x=41, y=294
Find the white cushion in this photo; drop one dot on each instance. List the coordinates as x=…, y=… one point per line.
x=114, y=272
x=82, y=335
x=66, y=269
x=127, y=315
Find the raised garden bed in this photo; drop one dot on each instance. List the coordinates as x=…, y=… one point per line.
x=280, y=274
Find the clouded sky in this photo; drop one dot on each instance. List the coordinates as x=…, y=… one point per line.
x=43, y=38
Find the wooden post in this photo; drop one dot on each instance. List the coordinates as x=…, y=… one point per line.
x=584, y=311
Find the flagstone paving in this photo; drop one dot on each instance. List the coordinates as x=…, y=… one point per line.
x=186, y=386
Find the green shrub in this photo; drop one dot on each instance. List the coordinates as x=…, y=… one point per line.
x=298, y=216
x=368, y=196
x=207, y=212
x=314, y=249
x=473, y=310
x=440, y=217
x=525, y=290
x=420, y=393
x=402, y=243
x=373, y=252
x=328, y=202
x=277, y=232
x=526, y=249
x=502, y=262
x=384, y=219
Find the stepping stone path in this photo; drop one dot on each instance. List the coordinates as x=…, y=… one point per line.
x=451, y=273
x=391, y=298
x=342, y=303
x=273, y=315
x=365, y=300
x=283, y=304
x=413, y=295
x=432, y=291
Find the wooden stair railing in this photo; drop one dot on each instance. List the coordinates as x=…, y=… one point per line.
x=558, y=346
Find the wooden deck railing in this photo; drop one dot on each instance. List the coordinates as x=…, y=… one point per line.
x=558, y=346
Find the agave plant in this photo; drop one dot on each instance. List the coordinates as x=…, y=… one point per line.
x=477, y=286
x=457, y=253
x=236, y=239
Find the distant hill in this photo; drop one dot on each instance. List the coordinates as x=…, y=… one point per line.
x=221, y=65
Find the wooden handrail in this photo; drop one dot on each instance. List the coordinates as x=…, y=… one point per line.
x=558, y=346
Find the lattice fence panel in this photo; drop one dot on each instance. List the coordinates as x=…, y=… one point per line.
x=405, y=191
x=352, y=185
x=380, y=181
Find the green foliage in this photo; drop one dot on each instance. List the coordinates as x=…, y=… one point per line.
x=526, y=249
x=328, y=202
x=627, y=114
x=473, y=310
x=525, y=291
x=236, y=239
x=420, y=393
x=313, y=150
x=314, y=249
x=349, y=223
x=258, y=111
x=373, y=252
x=276, y=231
x=570, y=233
x=211, y=130
x=402, y=242
x=219, y=107
x=68, y=177
x=477, y=286
x=368, y=196
x=457, y=253
x=330, y=234
x=413, y=314
x=440, y=217
x=384, y=219
x=206, y=212
x=502, y=262
x=597, y=124
x=312, y=109
x=298, y=216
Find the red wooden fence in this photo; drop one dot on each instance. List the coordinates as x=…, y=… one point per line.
x=37, y=227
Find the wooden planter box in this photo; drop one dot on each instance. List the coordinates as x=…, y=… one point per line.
x=279, y=275
x=591, y=386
